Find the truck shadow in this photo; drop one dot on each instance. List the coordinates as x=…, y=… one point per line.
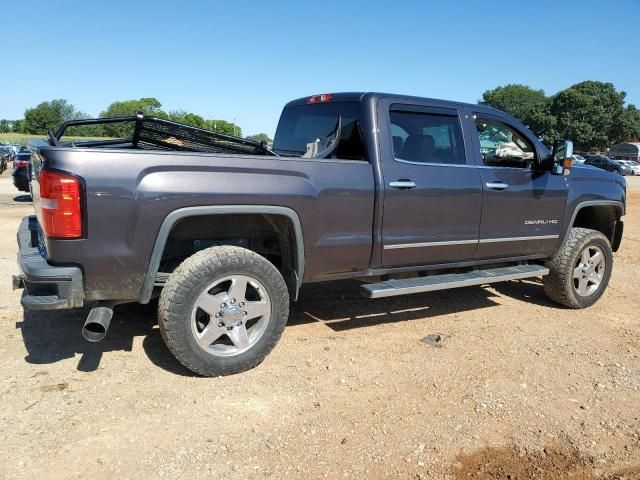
x=51, y=337
x=340, y=306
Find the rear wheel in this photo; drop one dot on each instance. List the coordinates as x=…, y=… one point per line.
x=580, y=272
x=223, y=310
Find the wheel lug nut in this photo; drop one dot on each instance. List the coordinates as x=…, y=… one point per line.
x=233, y=300
x=218, y=315
x=221, y=324
x=241, y=304
x=224, y=305
x=245, y=313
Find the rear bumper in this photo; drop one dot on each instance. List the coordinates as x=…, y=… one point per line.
x=47, y=287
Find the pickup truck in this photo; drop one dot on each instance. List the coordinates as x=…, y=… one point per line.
x=410, y=194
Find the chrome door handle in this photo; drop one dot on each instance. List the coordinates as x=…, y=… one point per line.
x=497, y=185
x=403, y=184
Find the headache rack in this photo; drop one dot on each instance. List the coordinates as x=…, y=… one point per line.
x=151, y=133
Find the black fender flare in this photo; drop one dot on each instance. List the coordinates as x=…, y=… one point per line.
x=167, y=224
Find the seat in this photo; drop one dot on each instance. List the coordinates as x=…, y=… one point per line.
x=419, y=148
x=397, y=145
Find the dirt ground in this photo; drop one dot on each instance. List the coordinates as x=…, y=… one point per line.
x=475, y=383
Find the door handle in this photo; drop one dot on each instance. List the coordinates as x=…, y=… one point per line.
x=497, y=185
x=403, y=184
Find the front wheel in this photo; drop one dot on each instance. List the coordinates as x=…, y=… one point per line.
x=223, y=310
x=580, y=272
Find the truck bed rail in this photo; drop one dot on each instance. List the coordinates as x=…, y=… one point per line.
x=151, y=133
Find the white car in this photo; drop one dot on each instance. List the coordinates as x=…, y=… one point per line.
x=578, y=159
x=634, y=166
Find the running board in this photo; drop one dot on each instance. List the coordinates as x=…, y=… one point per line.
x=431, y=283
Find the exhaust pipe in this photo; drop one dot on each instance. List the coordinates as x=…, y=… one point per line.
x=97, y=324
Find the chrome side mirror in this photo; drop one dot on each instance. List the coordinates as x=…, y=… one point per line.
x=562, y=157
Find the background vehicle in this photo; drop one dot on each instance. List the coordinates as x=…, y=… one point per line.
x=625, y=151
x=578, y=159
x=606, y=163
x=413, y=194
x=20, y=172
x=634, y=167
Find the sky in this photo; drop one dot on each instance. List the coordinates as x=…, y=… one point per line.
x=244, y=60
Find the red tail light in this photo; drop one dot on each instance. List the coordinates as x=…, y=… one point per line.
x=60, y=204
x=20, y=163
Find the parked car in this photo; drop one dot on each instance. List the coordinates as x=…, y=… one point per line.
x=358, y=186
x=578, y=159
x=5, y=152
x=20, y=172
x=633, y=166
x=605, y=163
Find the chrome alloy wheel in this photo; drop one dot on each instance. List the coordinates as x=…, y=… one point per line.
x=588, y=271
x=230, y=315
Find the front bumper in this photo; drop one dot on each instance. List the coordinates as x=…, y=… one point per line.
x=47, y=287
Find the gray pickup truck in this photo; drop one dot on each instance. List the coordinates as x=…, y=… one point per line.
x=411, y=194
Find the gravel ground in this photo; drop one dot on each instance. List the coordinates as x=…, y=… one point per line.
x=471, y=383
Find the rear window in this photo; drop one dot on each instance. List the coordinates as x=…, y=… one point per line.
x=304, y=124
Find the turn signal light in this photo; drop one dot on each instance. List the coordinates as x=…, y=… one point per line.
x=60, y=205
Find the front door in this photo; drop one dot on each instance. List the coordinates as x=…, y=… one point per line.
x=432, y=190
x=522, y=205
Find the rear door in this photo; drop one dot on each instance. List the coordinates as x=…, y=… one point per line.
x=522, y=205
x=432, y=189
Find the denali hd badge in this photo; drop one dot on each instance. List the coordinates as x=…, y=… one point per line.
x=540, y=222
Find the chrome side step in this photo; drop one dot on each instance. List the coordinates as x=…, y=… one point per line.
x=431, y=283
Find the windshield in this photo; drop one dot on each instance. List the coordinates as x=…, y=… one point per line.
x=301, y=125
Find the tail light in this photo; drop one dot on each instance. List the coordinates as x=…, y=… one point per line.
x=60, y=205
x=20, y=163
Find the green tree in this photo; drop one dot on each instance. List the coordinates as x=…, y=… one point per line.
x=222, y=126
x=630, y=125
x=47, y=116
x=590, y=113
x=148, y=105
x=5, y=126
x=187, y=118
x=531, y=107
x=260, y=137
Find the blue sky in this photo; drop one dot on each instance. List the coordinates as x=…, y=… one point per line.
x=244, y=60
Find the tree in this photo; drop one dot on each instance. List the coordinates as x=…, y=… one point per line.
x=47, y=116
x=5, y=126
x=260, y=137
x=630, y=125
x=222, y=126
x=591, y=114
x=148, y=106
x=531, y=107
x=187, y=118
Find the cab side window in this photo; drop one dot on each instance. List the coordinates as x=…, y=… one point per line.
x=502, y=146
x=427, y=138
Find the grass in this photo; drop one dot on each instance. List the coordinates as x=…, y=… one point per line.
x=23, y=138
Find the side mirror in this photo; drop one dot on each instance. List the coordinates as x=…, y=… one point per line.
x=562, y=157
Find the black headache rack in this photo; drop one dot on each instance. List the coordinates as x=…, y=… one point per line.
x=151, y=133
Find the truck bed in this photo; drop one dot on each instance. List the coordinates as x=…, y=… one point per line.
x=150, y=133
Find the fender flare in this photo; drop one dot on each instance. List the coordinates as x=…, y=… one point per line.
x=590, y=203
x=167, y=224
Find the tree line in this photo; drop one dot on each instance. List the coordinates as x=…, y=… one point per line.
x=50, y=115
x=591, y=114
